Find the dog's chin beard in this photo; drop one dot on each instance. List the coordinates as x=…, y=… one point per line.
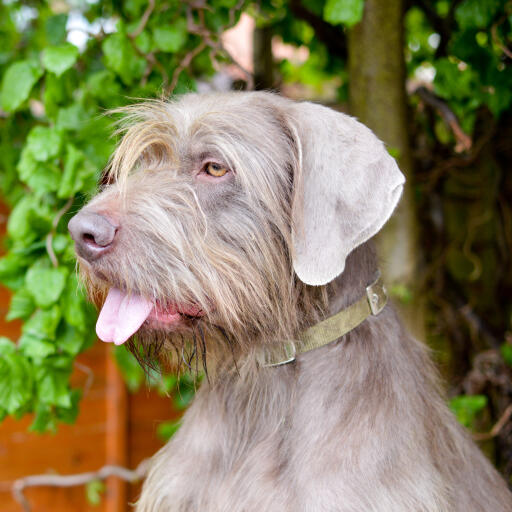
x=174, y=350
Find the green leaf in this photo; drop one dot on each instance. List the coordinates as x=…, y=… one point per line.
x=171, y=38
x=15, y=378
x=59, y=59
x=28, y=218
x=43, y=323
x=56, y=92
x=348, y=12
x=506, y=353
x=130, y=369
x=143, y=41
x=46, y=284
x=69, y=414
x=55, y=28
x=71, y=180
x=93, y=491
x=103, y=85
x=53, y=385
x=74, y=305
x=401, y=292
x=72, y=117
x=61, y=242
x=167, y=383
x=6, y=346
x=121, y=57
x=18, y=225
x=167, y=429
x=466, y=408
x=44, y=419
x=41, y=177
x=70, y=340
x=12, y=270
x=185, y=393
x=17, y=83
x=476, y=13
x=43, y=143
x=22, y=305
x=35, y=347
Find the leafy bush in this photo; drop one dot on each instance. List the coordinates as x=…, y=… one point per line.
x=55, y=141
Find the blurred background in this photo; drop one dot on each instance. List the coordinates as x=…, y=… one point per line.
x=433, y=79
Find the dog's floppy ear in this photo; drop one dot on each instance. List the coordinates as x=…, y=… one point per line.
x=349, y=187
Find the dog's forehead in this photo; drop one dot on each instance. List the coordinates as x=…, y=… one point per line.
x=228, y=112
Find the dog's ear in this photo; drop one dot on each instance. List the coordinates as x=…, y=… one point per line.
x=347, y=189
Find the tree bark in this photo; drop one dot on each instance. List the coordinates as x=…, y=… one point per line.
x=378, y=99
x=263, y=59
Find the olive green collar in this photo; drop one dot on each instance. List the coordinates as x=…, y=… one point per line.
x=330, y=329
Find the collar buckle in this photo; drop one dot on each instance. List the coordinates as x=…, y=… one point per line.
x=286, y=354
x=377, y=296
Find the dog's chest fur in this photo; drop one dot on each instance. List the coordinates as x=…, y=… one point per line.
x=345, y=428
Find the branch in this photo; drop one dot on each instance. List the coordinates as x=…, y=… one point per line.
x=144, y=19
x=460, y=161
x=210, y=40
x=464, y=141
x=103, y=473
x=498, y=427
x=90, y=376
x=185, y=63
x=496, y=39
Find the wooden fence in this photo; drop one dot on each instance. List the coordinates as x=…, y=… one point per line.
x=113, y=427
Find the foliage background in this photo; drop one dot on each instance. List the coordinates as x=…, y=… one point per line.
x=453, y=61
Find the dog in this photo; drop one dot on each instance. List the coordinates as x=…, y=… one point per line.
x=233, y=234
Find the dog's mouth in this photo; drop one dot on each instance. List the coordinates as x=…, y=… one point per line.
x=123, y=314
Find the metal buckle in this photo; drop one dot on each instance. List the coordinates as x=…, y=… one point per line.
x=267, y=358
x=377, y=296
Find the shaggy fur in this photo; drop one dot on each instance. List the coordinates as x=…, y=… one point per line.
x=358, y=425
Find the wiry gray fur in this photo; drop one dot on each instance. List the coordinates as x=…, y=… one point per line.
x=358, y=425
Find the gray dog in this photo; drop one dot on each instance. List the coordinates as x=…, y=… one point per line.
x=233, y=234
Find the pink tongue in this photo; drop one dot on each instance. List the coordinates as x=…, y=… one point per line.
x=121, y=316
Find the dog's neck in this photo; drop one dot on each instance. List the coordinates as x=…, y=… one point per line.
x=360, y=270
x=339, y=318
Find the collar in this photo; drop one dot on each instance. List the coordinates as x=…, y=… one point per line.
x=330, y=329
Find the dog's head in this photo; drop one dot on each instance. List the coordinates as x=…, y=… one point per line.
x=229, y=213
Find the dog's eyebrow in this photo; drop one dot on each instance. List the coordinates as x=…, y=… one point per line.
x=209, y=155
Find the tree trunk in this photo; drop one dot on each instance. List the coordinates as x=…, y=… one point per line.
x=378, y=99
x=263, y=58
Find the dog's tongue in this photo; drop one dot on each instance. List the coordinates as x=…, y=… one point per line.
x=121, y=316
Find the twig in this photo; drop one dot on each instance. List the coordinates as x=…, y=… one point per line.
x=185, y=62
x=51, y=234
x=90, y=376
x=144, y=19
x=459, y=162
x=494, y=34
x=152, y=62
x=128, y=475
x=464, y=142
x=209, y=39
x=485, y=436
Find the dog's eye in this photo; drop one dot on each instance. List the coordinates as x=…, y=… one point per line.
x=215, y=170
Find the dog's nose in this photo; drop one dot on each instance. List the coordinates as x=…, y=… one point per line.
x=93, y=234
